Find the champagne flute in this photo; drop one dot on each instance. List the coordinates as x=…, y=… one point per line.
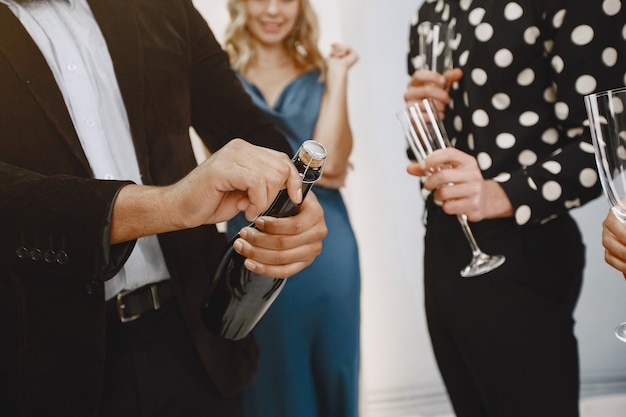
x=435, y=51
x=425, y=133
x=607, y=122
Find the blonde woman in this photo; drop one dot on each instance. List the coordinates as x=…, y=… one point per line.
x=309, y=339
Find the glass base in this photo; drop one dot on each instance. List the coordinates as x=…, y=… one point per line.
x=481, y=264
x=620, y=332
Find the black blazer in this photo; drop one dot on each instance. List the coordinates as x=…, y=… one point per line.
x=54, y=257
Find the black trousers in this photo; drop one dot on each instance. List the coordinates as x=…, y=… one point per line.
x=152, y=369
x=504, y=341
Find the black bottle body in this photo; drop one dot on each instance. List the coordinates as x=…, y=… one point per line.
x=238, y=298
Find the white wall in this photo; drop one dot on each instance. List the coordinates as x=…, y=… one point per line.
x=399, y=376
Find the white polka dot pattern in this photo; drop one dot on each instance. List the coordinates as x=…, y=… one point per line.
x=531, y=34
x=500, y=101
x=479, y=76
x=551, y=191
x=484, y=32
x=550, y=136
x=562, y=110
x=519, y=108
x=480, y=118
x=586, y=84
x=513, y=11
x=558, y=64
x=552, y=166
x=484, y=160
x=527, y=158
x=586, y=147
x=588, y=177
x=503, y=58
x=476, y=16
x=549, y=95
x=582, y=35
x=526, y=77
x=611, y=7
x=528, y=118
x=609, y=57
x=557, y=21
x=522, y=214
x=505, y=140
x=502, y=177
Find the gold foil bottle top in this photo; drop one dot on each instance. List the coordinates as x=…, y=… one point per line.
x=312, y=154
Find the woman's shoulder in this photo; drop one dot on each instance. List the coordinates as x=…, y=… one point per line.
x=312, y=75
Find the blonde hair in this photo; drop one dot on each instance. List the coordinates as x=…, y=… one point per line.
x=301, y=45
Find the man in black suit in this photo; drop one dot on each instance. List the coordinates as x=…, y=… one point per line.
x=100, y=195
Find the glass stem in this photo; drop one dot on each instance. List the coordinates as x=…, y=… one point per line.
x=468, y=233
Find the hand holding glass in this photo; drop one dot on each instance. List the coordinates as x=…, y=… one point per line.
x=425, y=133
x=607, y=123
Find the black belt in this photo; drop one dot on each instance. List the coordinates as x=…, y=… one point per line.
x=130, y=305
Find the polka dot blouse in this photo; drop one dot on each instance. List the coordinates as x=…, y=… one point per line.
x=519, y=108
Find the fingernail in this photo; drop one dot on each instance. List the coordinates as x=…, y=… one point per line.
x=250, y=265
x=238, y=245
x=260, y=223
x=243, y=233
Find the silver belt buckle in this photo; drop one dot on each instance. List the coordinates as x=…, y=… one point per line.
x=121, y=306
x=156, y=304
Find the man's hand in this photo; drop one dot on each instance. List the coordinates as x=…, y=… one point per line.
x=281, y=247
x=238, y=177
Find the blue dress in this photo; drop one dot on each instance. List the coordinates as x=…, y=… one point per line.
x=309, y=337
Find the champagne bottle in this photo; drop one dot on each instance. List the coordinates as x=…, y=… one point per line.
x=238, y=298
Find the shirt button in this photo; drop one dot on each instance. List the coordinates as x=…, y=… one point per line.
x=36, y=254
x=22, y=252
x=89, y=122
x=49, y=256
x=108, y=176
x=93, y=288
x=71, y=67
x=62, y=257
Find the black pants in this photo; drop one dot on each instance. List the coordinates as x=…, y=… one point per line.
x=152, y=369
x=504, y=341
